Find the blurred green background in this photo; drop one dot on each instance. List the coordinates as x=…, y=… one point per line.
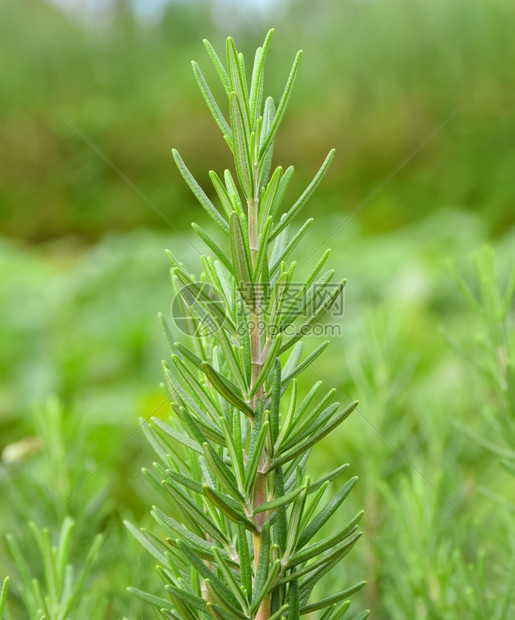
x=83, y=272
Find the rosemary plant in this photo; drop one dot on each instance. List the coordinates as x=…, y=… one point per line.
x=492, y=355
x=57, y=595
x=241, y=537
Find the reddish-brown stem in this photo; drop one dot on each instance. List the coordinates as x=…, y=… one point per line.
x=259, y=492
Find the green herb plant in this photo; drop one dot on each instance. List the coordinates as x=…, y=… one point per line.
x=492, y=354
x=241, y=539
x=58, y=594
x=51, y=566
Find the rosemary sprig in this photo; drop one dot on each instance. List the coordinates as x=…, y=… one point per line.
x=233, y=457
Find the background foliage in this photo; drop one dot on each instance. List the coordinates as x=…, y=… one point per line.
x=82, y=274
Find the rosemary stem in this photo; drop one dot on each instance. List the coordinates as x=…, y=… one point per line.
x=259, y=493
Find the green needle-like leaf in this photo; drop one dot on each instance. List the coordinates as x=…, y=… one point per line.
x=243, y=330
x=325, y=514
x=267, y=365
x=241, y=259
x=145, y=542
x=296, y=517
x=279, y=501
x=224, y=474
x=229, y=507
x=199, y=193
x=304, y=445
x=283, y=103
x=3, y=596
x=222, y=73
x=242, y=155
x=211, y=103
x=218, y=585
x=222, y=193
x=195, y=297
x=245, y=566
x=226, y=608
x=227, y=389
x=232, y=190
x=212, y=245
x=320, y=417
x=263, y=564
x=238, y=81
x=155, y=601
x=306, y=362
x=319, y=312
x=281, y=191
x=261, y=269
x=294, y=596
x=306, y=195
x=254, y=457
x=267, y=586
x=338, y=611
x=275, y=398
x=291, y=246
x=269, y=194
x=190, y=509
x=188, y=598
x=257, y=82
x=281, y=612
x=233, y=442
x=328, y=477
x=333, y=599
x=362, y=616
x=336, y=553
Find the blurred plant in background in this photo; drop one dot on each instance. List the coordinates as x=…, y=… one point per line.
x=491, y=353
x=60, y=593
x=403, y=66
x=38, y=478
